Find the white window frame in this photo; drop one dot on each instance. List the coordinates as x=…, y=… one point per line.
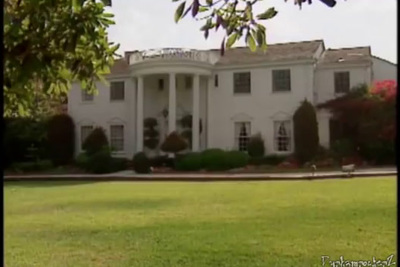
x=113, y=88
x=277, y=77
x=82, y=140
x=237, y=88
x=237, y=134
x=276, y=136
x=118, y=138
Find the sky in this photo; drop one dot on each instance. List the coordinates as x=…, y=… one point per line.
x=147, y=24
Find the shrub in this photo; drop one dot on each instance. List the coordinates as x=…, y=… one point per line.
x=256, y=148
x=174, y=143
x=237, y=159
x=61, y=138
x=189, y=162
x=267, y=160
x=81, y=160
x=343, y=148
x=162, y=161
x=151, y=134
x=32, y=166
x=214, y=160
x=118, y=164
x=306, y=140
x=100, y=161
x=95, y=142
x=141, y=164
x=380, y=152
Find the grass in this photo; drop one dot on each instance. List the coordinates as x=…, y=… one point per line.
x=199, y=224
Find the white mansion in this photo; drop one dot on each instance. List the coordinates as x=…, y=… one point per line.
x=229, y=97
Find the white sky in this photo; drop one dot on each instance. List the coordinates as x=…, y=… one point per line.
x=145, y=24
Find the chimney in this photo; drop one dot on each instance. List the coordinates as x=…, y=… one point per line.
x=127, y=55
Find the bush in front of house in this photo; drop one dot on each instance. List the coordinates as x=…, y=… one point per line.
x=189, y=162
x=343, y=148
x=162, y=161
x=151, y=134
x=100, y=161
x=141, y=163
x=81, y=160
x=174, y=143
x=32, y=166
x=306, y=139
x=237, y=159
x=95, y=142
x=214, y=160
x=61, y=139
x=256, y=147
x=271, y=160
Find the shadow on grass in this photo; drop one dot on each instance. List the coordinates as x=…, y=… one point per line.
x=46, y=183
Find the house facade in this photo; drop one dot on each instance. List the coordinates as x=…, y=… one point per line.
x=228, y=98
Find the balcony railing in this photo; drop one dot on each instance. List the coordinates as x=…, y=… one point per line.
x=171, y=53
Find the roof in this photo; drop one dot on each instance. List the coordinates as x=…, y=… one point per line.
x=275, y=52
x=346, y=55
x=384, y=60
x=120, y=67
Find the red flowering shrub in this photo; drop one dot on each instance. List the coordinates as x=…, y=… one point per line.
x=369, y=114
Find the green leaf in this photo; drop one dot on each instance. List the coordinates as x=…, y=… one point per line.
x=251, y=43
x=179, y=11
x=231, y=40
x=269, y=14
x=209, y=2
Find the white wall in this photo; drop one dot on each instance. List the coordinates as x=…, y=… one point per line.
x=325, y=90
x=325, y=81
x=261, y=106
x=103, y=112
x=383, y=70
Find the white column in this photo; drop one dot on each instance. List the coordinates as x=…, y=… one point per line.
x=139, y=116
x=210, y=87
x=196, y=113
x=172, y=103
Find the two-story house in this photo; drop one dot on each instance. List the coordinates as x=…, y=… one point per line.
x=230, y=97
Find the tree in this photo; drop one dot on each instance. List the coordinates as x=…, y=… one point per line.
x=306, y=139
x=368, y=118
x=235, y=17
x=44, y=52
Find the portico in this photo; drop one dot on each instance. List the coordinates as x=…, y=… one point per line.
x=191, y=65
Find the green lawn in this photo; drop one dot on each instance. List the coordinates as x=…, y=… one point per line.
x=199, y=224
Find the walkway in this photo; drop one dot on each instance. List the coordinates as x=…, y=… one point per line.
x=203, y=177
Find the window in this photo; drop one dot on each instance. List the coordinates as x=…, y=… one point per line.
x=242, y=135
x=117, y=137
x=282, y=136
x=85, y=131
x=86, y=97
x=342, y=82
x=117, y=91
x=281, y=80
x=241, y=83
x=188, y=82
x=160, y=84
x=216, y=80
